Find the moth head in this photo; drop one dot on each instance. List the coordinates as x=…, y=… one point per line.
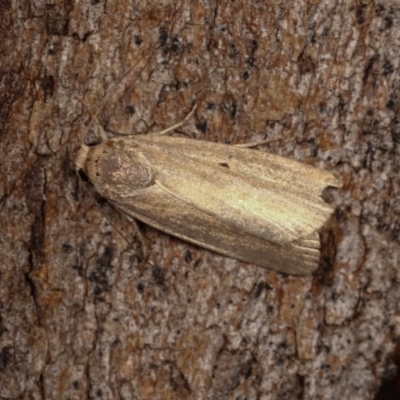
x=86, y=162
x=80, y=162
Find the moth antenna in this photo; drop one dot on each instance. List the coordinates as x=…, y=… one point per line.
x=110, y=92
x=177, y=125
x=84, y=150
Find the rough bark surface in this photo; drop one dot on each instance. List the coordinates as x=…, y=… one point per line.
x=81, y=315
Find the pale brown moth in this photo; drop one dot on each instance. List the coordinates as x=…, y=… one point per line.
x=244, y=203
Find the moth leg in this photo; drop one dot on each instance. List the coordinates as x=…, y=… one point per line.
x=99, y=129
x=177, y=125
x=94, y=118
x=256, y=143
x=144, y=242
x=129, y=232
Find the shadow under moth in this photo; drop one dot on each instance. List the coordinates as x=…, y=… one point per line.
x=244, y=203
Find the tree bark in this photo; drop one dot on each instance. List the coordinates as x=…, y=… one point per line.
x=82, y=316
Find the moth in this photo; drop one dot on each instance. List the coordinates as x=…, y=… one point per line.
x=244, y=203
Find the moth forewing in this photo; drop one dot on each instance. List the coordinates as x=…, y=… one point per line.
x=247, y=204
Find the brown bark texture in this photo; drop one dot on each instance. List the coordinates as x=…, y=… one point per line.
x=82, y=316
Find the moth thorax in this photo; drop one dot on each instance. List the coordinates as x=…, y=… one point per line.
x=115, y=167
x=134, y=175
